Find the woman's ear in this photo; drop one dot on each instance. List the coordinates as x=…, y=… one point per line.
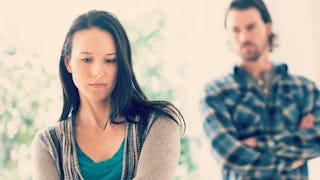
x=67, y=64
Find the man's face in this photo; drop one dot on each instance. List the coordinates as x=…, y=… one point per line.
x=248, y=34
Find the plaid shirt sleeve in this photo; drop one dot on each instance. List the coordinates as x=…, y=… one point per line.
x=228, y=149
x=302, y=144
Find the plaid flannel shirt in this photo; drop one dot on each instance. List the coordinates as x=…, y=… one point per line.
x=235, y=109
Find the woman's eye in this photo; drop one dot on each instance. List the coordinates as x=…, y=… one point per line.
x=86, y=59
x=111, y=60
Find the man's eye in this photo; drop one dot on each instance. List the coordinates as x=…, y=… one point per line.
x=250, y=28
x=236, y=30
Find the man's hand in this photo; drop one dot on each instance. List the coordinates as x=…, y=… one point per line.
x=297, y=164
x=252, y=142
x=307, y=122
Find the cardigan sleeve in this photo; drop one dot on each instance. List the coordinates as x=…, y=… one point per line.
x=160, y=152
x=43, y=165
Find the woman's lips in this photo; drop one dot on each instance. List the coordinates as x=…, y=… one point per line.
x=98, y=85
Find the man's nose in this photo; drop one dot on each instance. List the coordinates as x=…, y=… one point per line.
x=243, y=36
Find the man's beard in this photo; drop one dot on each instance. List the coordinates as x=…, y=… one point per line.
x=251, y=55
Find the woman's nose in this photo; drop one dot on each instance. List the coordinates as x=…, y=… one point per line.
x=97, y=70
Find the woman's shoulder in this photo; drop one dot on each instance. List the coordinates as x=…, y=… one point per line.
x=162, y=124
x=165, y=123
x=54, y=131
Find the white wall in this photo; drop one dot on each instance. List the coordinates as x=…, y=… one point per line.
x=316, y=33
x=315, y=16
x=293, y=23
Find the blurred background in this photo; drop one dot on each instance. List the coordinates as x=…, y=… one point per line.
x=178, y=46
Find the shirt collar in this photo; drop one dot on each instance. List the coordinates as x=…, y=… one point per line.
x=243, y=77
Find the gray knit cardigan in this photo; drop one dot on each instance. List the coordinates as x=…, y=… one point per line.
x=151, y=150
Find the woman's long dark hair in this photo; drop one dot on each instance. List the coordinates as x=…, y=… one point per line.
x=127, y=98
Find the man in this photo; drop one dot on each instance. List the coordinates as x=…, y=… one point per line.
x=262, y=121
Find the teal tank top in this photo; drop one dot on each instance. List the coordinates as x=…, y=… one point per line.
x=103, y=170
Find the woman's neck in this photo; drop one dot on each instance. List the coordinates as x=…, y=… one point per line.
x=93, y=114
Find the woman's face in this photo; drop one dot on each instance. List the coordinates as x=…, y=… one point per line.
x=93, y=64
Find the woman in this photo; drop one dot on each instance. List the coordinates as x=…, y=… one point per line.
x=107, y=129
